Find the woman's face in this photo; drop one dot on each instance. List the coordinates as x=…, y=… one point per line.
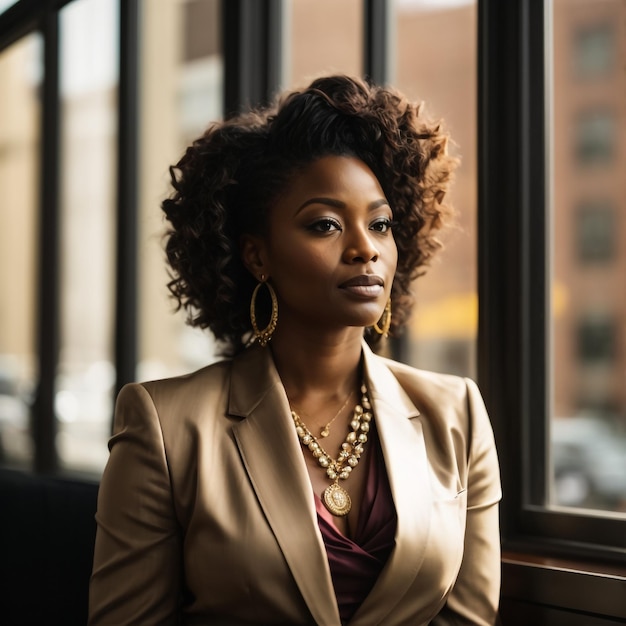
x=329, y=251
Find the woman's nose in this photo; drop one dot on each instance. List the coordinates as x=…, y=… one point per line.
x=361, y=248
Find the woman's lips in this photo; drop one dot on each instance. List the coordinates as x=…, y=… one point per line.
x=366, y=285
x=368, y=291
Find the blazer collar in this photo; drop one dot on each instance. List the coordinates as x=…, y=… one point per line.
x=272, y=456
x=402, y=442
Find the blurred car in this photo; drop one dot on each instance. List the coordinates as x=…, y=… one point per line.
x=15, y=440
x=589, y=463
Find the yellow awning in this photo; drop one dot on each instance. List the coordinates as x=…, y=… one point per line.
x=453, y=317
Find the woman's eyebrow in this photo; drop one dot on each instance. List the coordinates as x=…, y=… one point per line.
x=338, y=204
x=378, y=203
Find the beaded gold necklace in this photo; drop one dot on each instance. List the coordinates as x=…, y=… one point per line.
x=335, y=498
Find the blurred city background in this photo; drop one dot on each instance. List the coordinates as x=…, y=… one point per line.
x=181, y=86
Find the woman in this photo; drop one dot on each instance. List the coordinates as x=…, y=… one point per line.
x=303, y=480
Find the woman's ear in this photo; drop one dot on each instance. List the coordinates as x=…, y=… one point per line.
x=253, y=255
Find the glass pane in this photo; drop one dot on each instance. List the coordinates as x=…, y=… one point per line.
x=85, y=376
x=318, y=44
x=588, y=429
x=20, y=76
x=6, y=4
x=181, y=93
x=442, y=335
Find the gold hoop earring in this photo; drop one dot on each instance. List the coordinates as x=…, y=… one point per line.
x=385, y=321
x=264, y=335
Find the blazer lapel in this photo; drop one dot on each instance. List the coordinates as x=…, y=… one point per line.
x=402, y=442
x=272, y=457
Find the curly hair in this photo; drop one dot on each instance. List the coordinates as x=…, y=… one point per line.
x=227, y=180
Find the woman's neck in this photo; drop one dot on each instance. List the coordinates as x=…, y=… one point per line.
x=325, y=367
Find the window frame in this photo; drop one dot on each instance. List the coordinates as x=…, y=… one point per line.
x=514, y=257
x=512, y=251
x=42, y=16
x=253, y=52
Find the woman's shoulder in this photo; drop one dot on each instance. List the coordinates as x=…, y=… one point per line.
x=215, y=370
x=426, y=382
x=210, y=380
x=452, y=410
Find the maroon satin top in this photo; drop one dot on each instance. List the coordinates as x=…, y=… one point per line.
x=355, y=563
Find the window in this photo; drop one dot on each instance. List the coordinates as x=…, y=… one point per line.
x=181, y=93
x=85, y=377
x=442, y=334
x=594, y=50
x=20, y=138
x=563, y=543
x=596, y=133
x=587, y=353
x=587, y=324
x=596, y=233
x=596, y=339
x=549, y=286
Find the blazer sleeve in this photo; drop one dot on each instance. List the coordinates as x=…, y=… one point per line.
x=136, y=574
x=475, y=596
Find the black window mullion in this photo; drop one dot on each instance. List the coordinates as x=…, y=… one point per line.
x=275, y=48
x=512, y=251
x=19, y=20
x=376, y=40
x=252, y=48
x=24, y=17
x=43, y=417
x=535, y=237
x=127, y=195
x=499, y=263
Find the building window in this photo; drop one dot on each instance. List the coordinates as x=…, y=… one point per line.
x=442, y=333
x=595, y=137
x=595, y=233
x=594, y=51
x=21, y=70
x=596, y=339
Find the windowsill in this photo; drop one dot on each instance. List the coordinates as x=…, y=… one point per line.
x=563, y=584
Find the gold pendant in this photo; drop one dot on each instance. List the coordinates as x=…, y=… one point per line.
x=337, y=500
x=325, y=432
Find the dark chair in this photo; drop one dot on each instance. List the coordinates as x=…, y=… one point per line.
x=47, y=532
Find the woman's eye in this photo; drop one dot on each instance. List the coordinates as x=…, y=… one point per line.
x=382, y=225
x=325, y=225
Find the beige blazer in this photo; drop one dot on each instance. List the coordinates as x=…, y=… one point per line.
x=206, y=514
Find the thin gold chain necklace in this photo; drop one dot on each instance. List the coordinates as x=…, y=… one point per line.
x=325, y=430
x=335, y=498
